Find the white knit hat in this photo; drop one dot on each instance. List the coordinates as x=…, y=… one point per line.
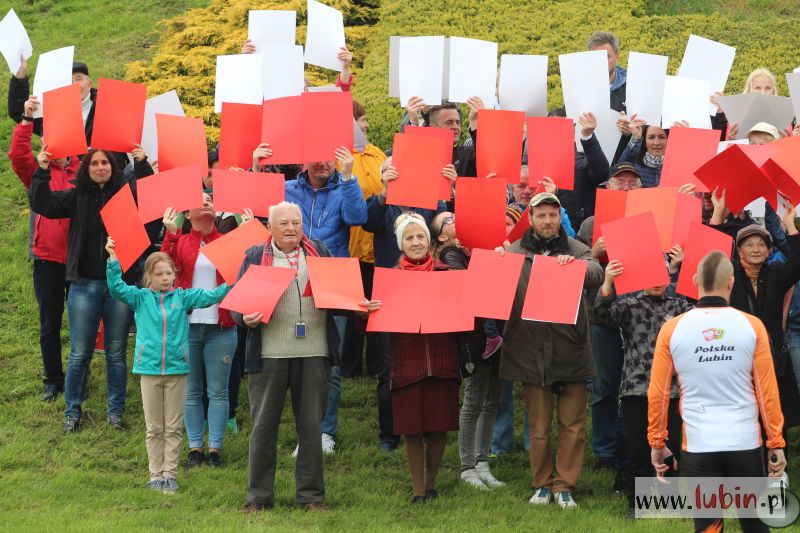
x=405, y=220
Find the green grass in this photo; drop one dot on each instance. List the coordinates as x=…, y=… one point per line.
x=93, y=481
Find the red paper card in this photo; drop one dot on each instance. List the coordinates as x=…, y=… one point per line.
x=227, y=252
x=336, y=282
x=445, y=140
x=783, y=168
x=181, y=142
x=181, y=188
x=481, y=212
x=121, y=220
x=520, y=228
x=327, y=123
x=398, y=292
x=258, y=291
x=235, y=190
x=554, y=291
x=500, y=146
x=702, y=240
x=491, y=283
x=62, y=122
x=609, y=206
x=439, y=302
x=672, y=212
x=687, y=150
x=634, y=242
x=551, y=150
x=417, y=159
x=282, y=129
x=118, y=115
x=239, y=134
x=734, y=170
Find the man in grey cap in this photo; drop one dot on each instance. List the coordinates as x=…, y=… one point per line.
x=19, y=90
x=553, y=361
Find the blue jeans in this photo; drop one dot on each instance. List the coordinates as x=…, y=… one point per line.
x=87, y=303
x=608, y=433
x=503, y=434
x=793, y=340
x=330, y=424
x=210, y=354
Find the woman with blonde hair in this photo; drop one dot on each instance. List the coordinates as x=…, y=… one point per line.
x=761, y=80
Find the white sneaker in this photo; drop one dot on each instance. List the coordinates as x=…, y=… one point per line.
x=541, y=496
x=470, y=477
x=565, y=500
x=296, y=451
x=327, y=443
x=486, y=475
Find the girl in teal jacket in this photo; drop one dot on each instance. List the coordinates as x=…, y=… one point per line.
x=162, y=355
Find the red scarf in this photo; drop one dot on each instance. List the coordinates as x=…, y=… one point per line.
x=424, y=264
x=305, y=244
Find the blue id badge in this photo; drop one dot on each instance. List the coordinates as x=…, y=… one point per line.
x=300, y=329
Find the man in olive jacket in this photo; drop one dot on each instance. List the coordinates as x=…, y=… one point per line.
x=551, y=360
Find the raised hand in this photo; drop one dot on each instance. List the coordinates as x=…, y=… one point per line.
x=110, y=245
x=138, y=153
x=169, y=220
x=414, y=109
x=588, y=123
x=345, y=159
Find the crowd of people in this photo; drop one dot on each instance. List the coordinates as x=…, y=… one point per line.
x=191, y=354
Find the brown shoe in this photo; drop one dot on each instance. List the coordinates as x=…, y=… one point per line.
x=316, y=506
x=250, y=507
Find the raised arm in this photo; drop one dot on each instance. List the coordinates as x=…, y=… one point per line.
x=116, y=286
x=48, y=203
x=354, y=208
x=200, y=298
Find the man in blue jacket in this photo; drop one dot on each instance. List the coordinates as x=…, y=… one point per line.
x=331, y=202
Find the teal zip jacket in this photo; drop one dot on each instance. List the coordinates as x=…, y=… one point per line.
x=162, y=323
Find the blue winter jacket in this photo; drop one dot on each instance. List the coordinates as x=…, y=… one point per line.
x=162, y=322
x=329, y=212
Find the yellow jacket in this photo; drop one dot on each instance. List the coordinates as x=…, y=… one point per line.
x=367, y=169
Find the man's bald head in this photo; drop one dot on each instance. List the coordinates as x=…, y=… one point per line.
x=714, y=275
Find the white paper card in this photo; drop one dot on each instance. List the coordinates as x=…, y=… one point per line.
x=420, y=69
x=685, y=99
x=14, y=41
x=757, y=207
x=523, y=84
x=53, y=71
x=747, y=110
x=607, y=133
x=325, y=89
x=324, y=36
x=710, y=61
x=645, y=86
x=584, y=83
x=283, y=70
x=723, y=145
x=394, y=66
x=266, y=27
x=473, y=70
x=163, y=104
x=240, y=80
x=793, y=79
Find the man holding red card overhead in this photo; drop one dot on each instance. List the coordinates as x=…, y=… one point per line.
x=551, y=360
x=292, y=351
x=97, y=181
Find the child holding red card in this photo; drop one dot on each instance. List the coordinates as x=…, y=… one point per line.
x=161, y=355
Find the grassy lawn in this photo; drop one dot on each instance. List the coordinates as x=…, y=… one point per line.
x=93, y=481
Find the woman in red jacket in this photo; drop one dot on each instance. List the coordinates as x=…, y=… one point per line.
x=423, y=375
x=48, y=250
x=212, y=333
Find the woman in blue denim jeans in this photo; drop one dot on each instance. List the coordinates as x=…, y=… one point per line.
x=212, y=333
x=89, y=300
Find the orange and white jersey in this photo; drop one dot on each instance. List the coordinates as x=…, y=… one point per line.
x=727, y=380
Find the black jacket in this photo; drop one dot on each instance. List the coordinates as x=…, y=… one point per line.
x=767, y=304
x=19, y=89
x=82, y=206
x=252, y=349
x=591, y=169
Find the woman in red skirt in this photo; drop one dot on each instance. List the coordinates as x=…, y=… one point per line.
x=424, y=376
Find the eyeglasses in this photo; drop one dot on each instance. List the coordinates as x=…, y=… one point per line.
x=445, y=221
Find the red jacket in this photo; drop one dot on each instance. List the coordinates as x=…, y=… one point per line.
x=48, y=238
x=184, y=249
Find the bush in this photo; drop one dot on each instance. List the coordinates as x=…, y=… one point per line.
x=185, y=60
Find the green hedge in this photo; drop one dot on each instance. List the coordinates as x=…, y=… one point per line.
x=185, y=60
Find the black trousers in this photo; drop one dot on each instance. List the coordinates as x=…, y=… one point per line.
x=354, y=337
x=51, y=287
x=748, y=463
x=385, y=418
x=634, y=412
